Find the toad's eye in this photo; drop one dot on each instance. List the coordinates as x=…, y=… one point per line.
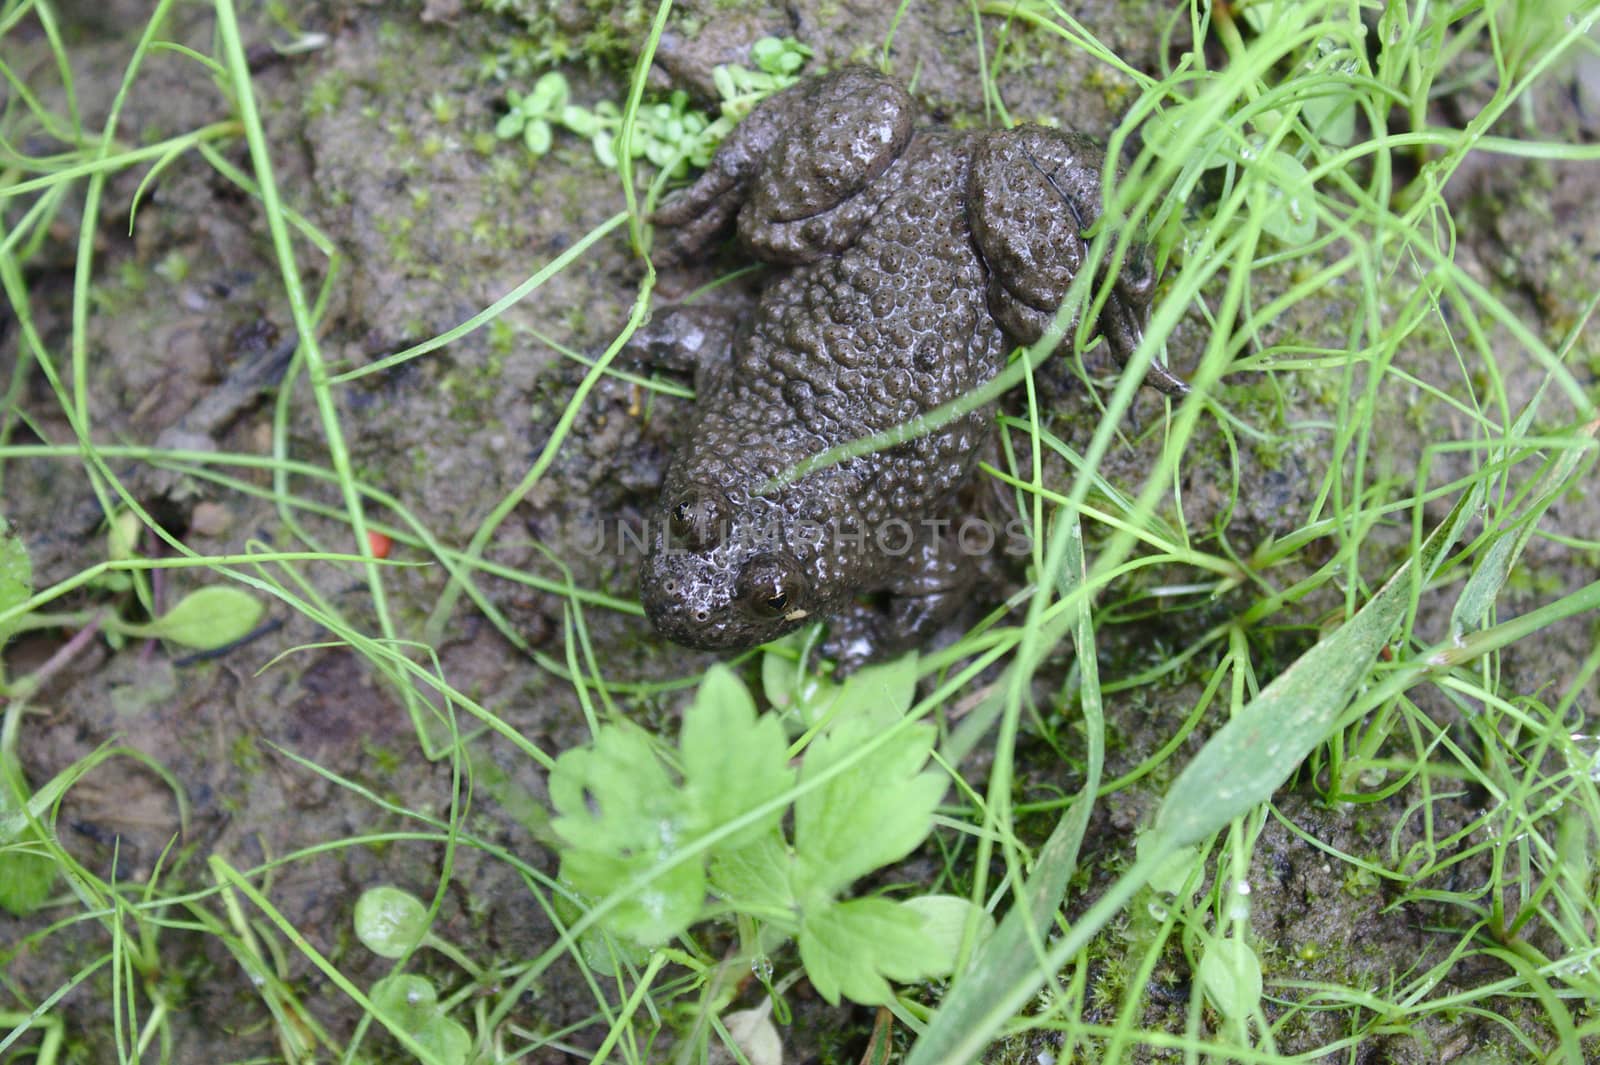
x=699, y=519
x=771, y=586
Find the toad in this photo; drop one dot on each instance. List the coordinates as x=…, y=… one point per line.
x=910, y=260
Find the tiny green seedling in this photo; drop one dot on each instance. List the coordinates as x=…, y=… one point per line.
x=205, y=619
x=661, y=841
x=670, y=134
x=392, y=923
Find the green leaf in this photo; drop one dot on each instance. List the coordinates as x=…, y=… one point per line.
x=605, y=148
x=27, y=874
x=410, y=1003
x=536, y=135
x=16, y=574
x=945, y=920
x=27, y=870
x=1332, y=118
x=509, y=126
x=654, y=914
x=390, y=921
x=447, y=1039
x=790, y=688
x=622, y=816
x=549, y=94
x=616, y=796
x=1163, y=130
x=1477, y=597
x=755, y=878
x=406, y=999
x=210, y=617
x=880, y=694
x=733, y=761
x=873, y=813
x=580, y=120
x=849, y=948
x=1284, y=198
x=1230, y=973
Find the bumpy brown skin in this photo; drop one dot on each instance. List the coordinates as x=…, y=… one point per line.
x=913, y=255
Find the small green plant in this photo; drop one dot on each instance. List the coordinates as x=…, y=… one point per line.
x=670, y=134
x=664, y=840
x=203, y=620
x=392, y=923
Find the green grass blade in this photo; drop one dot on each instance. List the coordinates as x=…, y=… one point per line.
x=1256, y=751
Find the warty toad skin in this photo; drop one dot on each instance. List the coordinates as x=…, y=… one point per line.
x=914, y=258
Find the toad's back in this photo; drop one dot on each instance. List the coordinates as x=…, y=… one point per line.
x=885, y=331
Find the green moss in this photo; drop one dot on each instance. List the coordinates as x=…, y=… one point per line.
x=326, y=94
x=245, y=755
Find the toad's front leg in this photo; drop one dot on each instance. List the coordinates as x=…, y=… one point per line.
x=797, y=172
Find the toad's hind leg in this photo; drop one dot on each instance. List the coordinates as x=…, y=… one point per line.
x=1032, y=193
x=798, y=172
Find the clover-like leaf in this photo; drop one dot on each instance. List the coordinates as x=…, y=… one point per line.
x=873, y=813
x=390, y=921
x=409, y=1001
x=733, y=761
x=849, y=948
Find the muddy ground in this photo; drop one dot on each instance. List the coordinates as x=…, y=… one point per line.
x=378, y=136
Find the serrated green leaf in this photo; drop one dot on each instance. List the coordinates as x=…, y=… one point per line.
x=654, y=914
x=881, y=693
x=16, y=573
x=616, y=797
x=622, y=817
x=756, y=877
x=210, y=617
x=733, y=761
x=869, y=815
x=849, y=948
